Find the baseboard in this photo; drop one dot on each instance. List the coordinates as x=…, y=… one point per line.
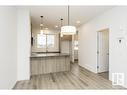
x=14, y=85
x=88, y=68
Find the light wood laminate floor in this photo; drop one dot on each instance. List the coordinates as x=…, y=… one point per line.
x=104, y=75
x=77, y=78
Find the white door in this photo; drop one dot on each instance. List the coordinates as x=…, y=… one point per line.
x=103, y=51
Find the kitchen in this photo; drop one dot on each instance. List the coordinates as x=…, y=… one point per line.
x=50, y=52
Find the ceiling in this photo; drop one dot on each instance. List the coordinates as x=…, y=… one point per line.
x=53, y=14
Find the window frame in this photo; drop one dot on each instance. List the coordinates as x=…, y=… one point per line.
x=47, y=49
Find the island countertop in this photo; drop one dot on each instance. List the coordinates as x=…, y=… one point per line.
x=34, y=55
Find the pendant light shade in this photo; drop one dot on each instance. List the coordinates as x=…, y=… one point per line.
x=41, y=32
x=61, y=35
x=68, y=30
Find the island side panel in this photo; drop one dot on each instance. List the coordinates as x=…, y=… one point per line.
x=44, y=65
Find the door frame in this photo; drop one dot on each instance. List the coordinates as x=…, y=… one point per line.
x=98, y=46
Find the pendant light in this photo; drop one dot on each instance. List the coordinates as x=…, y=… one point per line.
x=68, y=30
x=41, y=26
x=61, y=35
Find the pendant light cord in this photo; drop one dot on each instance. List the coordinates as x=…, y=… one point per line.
x=68, y=15
x=61, y=22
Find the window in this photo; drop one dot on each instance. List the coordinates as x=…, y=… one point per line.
x=50, y=41
x=44, y=41
x=41, y=41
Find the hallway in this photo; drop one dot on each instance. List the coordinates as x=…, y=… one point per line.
x=77, y=78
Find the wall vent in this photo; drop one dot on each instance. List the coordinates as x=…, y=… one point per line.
x=118, y=79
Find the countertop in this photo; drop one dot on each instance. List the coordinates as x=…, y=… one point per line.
x=34, y=55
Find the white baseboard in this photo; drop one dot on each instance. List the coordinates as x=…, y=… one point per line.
x=89, y=68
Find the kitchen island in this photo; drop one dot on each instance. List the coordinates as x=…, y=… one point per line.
x=43, y=63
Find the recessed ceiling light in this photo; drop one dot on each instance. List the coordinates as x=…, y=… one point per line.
x=78, y=22
x=46, y=28
x=56, y=26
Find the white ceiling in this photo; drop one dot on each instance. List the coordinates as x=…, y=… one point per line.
x=53, y=14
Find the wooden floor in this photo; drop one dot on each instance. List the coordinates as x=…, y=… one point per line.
x=104, y=75
x=77, y=78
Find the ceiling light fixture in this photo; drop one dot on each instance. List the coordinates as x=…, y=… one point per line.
x=68, y=30
x=41, y=26
x=78, y=22
x=56, y=26
x=46, y=28
x=61, y=35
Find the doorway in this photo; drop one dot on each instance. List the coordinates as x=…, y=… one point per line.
x=75, y=48
x=103, y=53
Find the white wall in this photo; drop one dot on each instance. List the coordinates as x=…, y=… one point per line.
x=114, y=19
x=15, y=46
x=23, y=43
x=8, y=53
